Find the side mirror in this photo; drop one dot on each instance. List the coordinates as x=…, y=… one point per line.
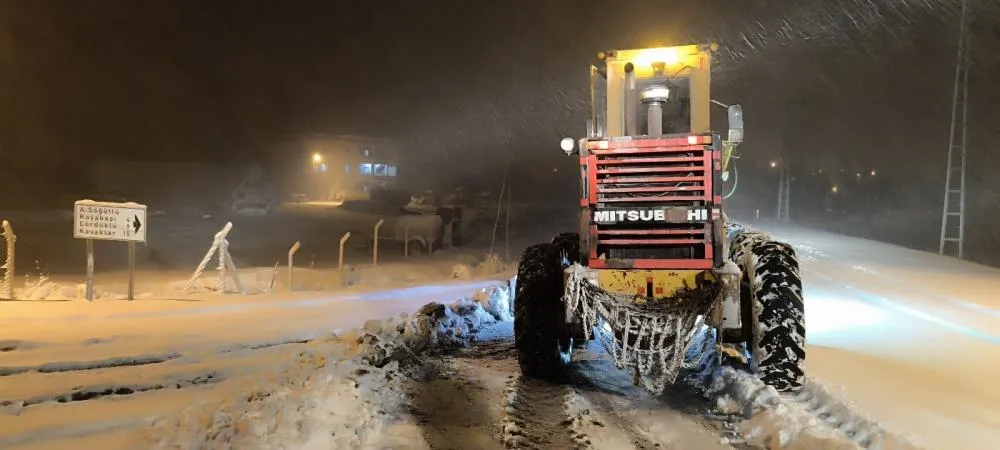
x=735, y=124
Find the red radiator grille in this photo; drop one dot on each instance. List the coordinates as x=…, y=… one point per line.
x=674, y=173
x=637, y=171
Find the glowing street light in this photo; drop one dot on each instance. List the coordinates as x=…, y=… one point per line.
x=872, y=173
x=317, y=158
x=774, y=164
x=834, y=189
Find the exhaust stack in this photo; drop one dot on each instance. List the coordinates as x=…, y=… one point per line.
x=654, y=97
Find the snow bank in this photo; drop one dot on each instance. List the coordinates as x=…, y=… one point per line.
x=44, y=288
x=344, y=392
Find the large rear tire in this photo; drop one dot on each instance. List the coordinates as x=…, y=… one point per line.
x=778, y=331
x=544, y=347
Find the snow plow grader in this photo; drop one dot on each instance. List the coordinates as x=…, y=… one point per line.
x=655, y=261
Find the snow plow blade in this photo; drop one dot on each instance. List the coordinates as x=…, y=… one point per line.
x=648, y=335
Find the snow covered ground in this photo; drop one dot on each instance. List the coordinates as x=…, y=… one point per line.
x=75, y=374
x=911, y=338
x=901, y=344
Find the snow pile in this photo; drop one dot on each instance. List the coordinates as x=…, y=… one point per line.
x=461, y=271
x=496, y=300
x=491, y=265
x=434, y=327
x=345, y=392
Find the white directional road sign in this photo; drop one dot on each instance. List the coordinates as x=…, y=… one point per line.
x=109, y=221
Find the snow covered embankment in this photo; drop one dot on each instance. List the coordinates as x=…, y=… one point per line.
x=343, y=392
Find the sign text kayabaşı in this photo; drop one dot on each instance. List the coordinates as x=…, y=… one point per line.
x=109, y=221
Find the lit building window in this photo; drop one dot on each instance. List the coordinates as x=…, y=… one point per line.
x=347, y=168
x=365, y=168
x=321, y=167
x=390, y=170
x=379, y=170
x=367, y=152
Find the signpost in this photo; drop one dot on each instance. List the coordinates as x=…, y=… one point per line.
x=105, y=221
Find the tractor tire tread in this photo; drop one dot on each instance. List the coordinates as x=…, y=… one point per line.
x=540, y=333
x=778, y=342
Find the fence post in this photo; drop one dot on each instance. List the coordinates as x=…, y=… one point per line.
x=231, y=268
x=375, y=246
x=291, y=265
x=406, y=241
x=8, y=266
x=216, y=242
x=223, y=254
x=90, y=270
x=340, y=257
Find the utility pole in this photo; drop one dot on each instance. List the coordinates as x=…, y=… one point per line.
x=784, y=192
x=953, y=212
x=794, y=106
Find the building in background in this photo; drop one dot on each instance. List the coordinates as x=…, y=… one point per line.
x=346, y=167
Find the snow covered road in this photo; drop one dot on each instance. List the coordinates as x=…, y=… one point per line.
x=913, y=339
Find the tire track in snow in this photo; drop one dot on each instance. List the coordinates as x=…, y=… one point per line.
x=535, y=413
x=808, y=418
x=596, y=408
x=450, y=407
x=605, y=397
x=538, y=416
x=125, y=363
x=814, y=399
x=638, y=439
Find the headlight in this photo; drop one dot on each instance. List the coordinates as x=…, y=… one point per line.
x=649, y=56
x=567, y=144
x=655, y=94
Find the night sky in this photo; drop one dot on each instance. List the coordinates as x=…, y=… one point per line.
x=835, y=84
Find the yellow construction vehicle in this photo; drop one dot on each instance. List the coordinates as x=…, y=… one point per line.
x=654, y=260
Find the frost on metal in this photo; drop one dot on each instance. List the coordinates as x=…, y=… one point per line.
x=225, y=268
x=650, y=337
x=8, y=265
